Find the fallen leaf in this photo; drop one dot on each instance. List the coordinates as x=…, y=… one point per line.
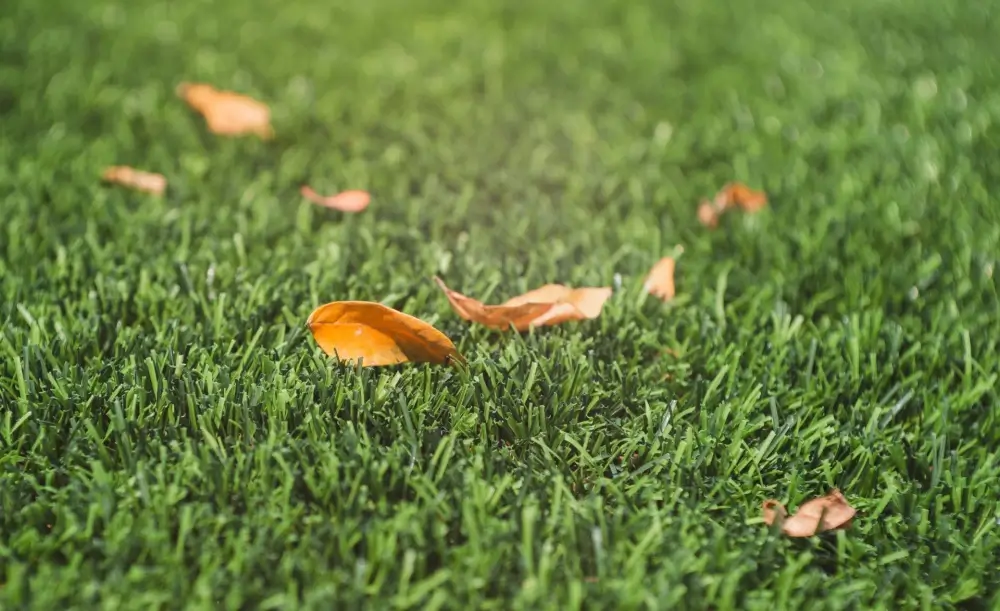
x=227, y=113
x=496, y=316
x=708, y=215
x=547, y=305
x=733, y=194
x=135, y=179
x=378, y=335
x=569, y=303
x=660, y=280
x=347, y=201
x=745, y=197
x=830, y=512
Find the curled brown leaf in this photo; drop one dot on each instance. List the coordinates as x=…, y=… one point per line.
x=378, y=335
x=550, y=304
x=733, y=194
x=495, y=316
x=830, y=512
x=345, y=201
x=135, y=179
x=746, y=198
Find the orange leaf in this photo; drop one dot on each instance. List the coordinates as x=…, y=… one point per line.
x=378, y=335
x=830, y=512
x=227, y=113
x=570, y=304
x=745, y=197
x=660, y=281
x=733, y=194
x=136, y=179
x=708, y=215
x=550, y=304
x=347, y=201
x=496, y=317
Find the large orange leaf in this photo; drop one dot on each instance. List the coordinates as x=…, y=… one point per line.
x=378, y=335
x=550, y=304
x=227, y=113
x=830, y=512
x=346, y=201
x=660, y=280
x=135, y=179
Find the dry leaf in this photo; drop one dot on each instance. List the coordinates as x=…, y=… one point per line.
x=378, y=335
x=733, y=194
x=660, y=280
x=550, y=304
x=569, y=304
x=830, y=512
x=743, y=196
x=227, y=113
x=347, y=201
x=708, y=215
x=495, y=317
x=135, y=179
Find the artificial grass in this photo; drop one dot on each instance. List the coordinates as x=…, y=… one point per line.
x=172, y=437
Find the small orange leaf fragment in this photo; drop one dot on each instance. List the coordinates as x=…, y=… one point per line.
x=346, y=201
x=228, y=113
x=733, y=194
x=378, y=335
x=830, y=512
x=135, y=179
x=550, y=304
x=708, y=215
x=746, y=198
x=660, y=280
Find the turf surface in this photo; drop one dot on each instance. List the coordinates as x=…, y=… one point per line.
x=171, y=435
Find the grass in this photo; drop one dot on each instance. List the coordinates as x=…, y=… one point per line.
x=171, y=436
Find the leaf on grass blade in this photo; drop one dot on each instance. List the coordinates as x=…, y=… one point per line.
x=830, y=512
x=550, y=304
x=135, y=179
x=660, y=280
x=733, y=194
x=378, y=335
x=227, y=113
x=347, y=201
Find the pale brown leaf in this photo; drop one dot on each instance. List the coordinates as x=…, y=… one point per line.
x=148, y=182
x=346, y=201
x=734, y=194
x=227, y=113
x=660, y=280
x=519, y=316
x=830, y=512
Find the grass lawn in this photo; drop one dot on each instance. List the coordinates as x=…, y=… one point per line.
x=171, y=435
